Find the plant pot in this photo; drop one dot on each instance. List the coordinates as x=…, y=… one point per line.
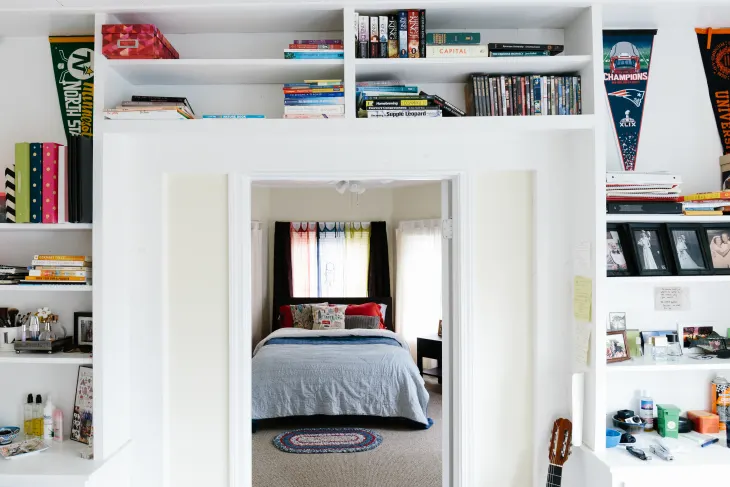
x=7, y=337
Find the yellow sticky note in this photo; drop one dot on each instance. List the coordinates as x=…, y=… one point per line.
x=582, y=298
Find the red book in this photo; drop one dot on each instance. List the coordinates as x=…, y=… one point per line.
x=323, y=89
x=316, y=46
x=670, y=199
x=413, y=33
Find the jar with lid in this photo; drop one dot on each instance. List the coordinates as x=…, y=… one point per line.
x=674, y=348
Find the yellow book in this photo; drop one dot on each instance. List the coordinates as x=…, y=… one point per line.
x=712, y=195
x=80, y=258
x=704, y=213
x=56, y=278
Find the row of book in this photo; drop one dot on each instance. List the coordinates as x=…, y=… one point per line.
x=49, y=269
x=523, y=95
x=394, y=99
x=399, y=34
x=314, y=98
x=713, y=203
x=315, y=49
x=50, y=183
x=152, y=108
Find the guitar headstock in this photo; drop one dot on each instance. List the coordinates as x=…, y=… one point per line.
x=560, y=442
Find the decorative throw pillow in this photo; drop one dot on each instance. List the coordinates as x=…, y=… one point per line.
x=286, y=320
x=366, y=309
x=365, y=322
x=330, y=317
x=302, y=315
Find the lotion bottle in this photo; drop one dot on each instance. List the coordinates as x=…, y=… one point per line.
x=58, y=425
x=48, y=420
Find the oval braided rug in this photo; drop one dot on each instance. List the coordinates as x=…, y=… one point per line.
x=328, y=440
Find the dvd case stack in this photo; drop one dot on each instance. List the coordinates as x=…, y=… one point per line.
x=314, y=98
x=394, y=99
x=396, y=34
x=523, y=95
x=315, y=49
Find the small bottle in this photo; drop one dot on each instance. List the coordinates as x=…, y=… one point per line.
x=58, y=425
x=674, y=348
x=28, y=417
x=38, y=417
x=638, y=347
x=649, y=350
x=660, y=349
x=48, y=420
x=646, y=410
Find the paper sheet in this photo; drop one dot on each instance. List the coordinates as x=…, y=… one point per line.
x=671, y=299
x=582, y=344
x=582, y=298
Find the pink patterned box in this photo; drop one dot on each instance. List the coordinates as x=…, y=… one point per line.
x=50, y=183
x=136, y=41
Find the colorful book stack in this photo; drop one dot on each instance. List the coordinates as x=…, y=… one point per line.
x=393, y=99
x=398, y=34
x=59, y=269
x=630, y=192
x=714, y=203
x=455, y=45
x=314, y=98
x=524, y=50
x=315, y=49
x=523, y=95
x=152, y=108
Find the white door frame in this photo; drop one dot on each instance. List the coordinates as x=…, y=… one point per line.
x=458, y=352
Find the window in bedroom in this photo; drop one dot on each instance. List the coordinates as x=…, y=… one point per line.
x=330, y=259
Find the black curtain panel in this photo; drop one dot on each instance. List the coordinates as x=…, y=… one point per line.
x=282, y=260
x=378, y=267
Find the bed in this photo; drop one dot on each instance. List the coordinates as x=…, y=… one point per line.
x=358, y=372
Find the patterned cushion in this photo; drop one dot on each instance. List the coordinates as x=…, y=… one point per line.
x=302, y=316
x=330, y=317
x=366, y=322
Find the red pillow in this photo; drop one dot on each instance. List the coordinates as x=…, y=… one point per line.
x=367, y=309
x=286, y=320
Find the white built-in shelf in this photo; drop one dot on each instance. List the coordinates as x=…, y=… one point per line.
x=684, y=363
x=441, y=70
x=666, y=279
x=225, y=71
x=41, y=288
x=45, y=358
x=666, y=219
x=43, y=227
x=59, y=465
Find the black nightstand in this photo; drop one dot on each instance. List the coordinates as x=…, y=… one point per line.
x=429, y=347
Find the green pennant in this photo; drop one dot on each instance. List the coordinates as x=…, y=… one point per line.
x=73, y=67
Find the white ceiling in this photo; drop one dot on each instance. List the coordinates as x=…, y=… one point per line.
x=369, y=184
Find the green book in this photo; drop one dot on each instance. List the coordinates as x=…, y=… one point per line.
x=518, y=53
x=22, y=182
x=441, y=38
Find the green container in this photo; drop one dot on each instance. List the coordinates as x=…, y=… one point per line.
x=668, y=420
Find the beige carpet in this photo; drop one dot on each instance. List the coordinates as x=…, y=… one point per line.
x=406, y=457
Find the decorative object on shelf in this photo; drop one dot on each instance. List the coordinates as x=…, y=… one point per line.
x=440, y=327
x=617, y=349
x=717, y=238
x=689, y=249
x=73, y=65
x=619, y=261
x=10, y=326
x=704, y=421
x=713, y=343
x=613, y=437
x=649, y=244
x=9, y=195
x=629, y=423
x=668, y=420
x=23, y=449
x=617, y=321
x=8, y=434
x=83, y=331
x=689, y=334
x=647, y=338
x=82, y=418
x=715, y=52
x=633, y=337
x=626, y=60
x=135, y=41
x=561, y=438
x=674, y=350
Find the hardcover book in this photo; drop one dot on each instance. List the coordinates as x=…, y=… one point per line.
x=403, y=33
x=413, y=34
x=422, y=33
x=552, y=48
x=403, y=113
x=315, y=54
x=36, y=182
x=50, y=183
x=383, y=35
x=22, y=182
x=453, y=38
x=356, y=28
x=518, y=53
x=456, y=51
x=392, y=36
x=374, y=37
x=363, y=29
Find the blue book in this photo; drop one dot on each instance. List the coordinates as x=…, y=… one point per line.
x=36, y=182
x=234, y=116
x=399, y=89
x=325, y=54
x=335, y=94
x=315, y=101
x=319, y=84
x=402, y=33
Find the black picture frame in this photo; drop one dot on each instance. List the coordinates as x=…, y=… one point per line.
x=707, y=238
x=626, y=248
x=659, y=247
x=82, y=342
x=690, y=253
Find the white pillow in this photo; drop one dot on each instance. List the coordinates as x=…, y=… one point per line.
x=330, y=317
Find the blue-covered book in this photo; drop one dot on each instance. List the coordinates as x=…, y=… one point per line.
x=313, y=54
x=400, y=89
x=336, y=94
x=315, y=101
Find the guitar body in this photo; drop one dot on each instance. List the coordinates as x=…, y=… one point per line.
x=559, y=451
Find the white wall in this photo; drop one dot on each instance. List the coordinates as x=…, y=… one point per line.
x=198, y=333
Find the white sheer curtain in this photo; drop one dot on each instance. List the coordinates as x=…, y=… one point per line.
x=259, y=284
x=304, y=259
x=357, y=258
x=418, y=279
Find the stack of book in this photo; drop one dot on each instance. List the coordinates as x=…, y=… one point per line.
x=524, y=50
x=714, y=203
x=152, y=108
x=398, y=34
x=392, y=99
x=523, y=95
x=455, y=45
x=59, y=269
x=629, y=192
x=315, y=49
x=10, y=275
x=314, y=98
x=50, y=183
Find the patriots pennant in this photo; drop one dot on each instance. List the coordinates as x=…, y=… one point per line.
x=626, y=60
x=10, y=194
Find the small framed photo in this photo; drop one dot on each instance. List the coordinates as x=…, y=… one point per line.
x=689, y=249
x=83, y=331
x=617, y=350
x=650, y=246
x=717, y=238
x=689, y=333
x=618, y=260
x=616, y=321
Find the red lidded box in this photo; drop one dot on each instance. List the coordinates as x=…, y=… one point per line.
x=135, y=41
